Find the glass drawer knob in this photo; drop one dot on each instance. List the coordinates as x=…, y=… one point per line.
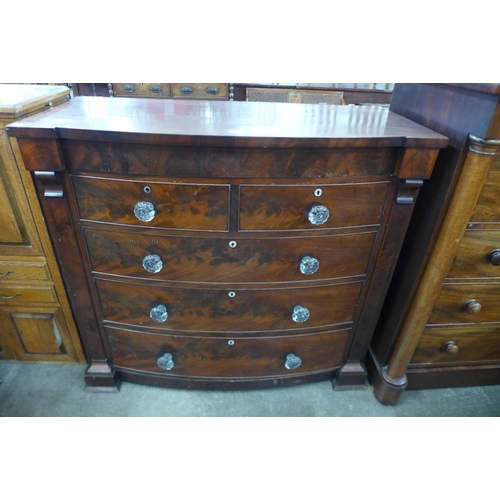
x=292, y=362
x=152, y=263
x=318, y=214
x=129, y=88
x=159, y=313
x=300, y=314
x=166, y=361
x=187, y=90
x=155, y=88
x=309, y=265
x=212, y=90
x=144, y=211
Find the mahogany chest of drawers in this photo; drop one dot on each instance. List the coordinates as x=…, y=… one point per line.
x=440, y=326
x=225, y=244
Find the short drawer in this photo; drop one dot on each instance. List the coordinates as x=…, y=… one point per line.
x=200, y=90
x=311, y=207
x=20, y=271
x=224, y=260
x=478, y=256
x=16, y=294
x=153, y=204
x=222, y=357
x=470, y=303
x=141, y=90
x=230, y=310
x=458, y=345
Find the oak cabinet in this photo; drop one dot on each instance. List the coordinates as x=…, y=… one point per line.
x=36, y=323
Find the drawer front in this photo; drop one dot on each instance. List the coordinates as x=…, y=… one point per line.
x=141, y=89
x=458, y=345
x=169, y=205
x=215, y=259
x=300, y=207
x=468, y=303
x=487, y=207
x=200, y=90
x=17, y=271
x=231, y=310
x=17, y=294
x=478, y=256
x=220, y=357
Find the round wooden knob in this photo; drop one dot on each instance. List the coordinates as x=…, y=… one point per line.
x=494, y=257
x=472, y=306
x=450, y=348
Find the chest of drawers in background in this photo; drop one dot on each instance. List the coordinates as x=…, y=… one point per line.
x=171, y=90
x=35, y=318
x=225, y=244
x=441, y=324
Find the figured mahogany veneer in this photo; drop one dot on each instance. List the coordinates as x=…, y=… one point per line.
x=194, y=259
x=226, y=244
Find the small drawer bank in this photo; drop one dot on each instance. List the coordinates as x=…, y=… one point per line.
x=225, y=245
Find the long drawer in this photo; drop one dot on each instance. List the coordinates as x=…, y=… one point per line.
x=16, y=270
x=469, y=303
x=229, y=310
x=478, y=256
x=458, y=345
x=487, y=209
x=15, y=294
x=153, y=204
x=200, y=90
x=311, y=207
x=222, y=357
x=141, y=89
x=226, y=260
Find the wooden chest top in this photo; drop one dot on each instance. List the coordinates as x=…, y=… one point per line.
x=222, y=123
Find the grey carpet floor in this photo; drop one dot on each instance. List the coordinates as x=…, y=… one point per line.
x=54, y=390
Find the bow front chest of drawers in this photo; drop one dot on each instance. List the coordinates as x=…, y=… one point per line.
x=225, y=244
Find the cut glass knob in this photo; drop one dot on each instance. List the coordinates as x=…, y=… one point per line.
x=292, y=362
x=144, y=211
x=159, y=314
x=318, y=214
x=166, y=361
x=309, y=265
x=129, y=88
x=300, y=314
x=152, y=263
